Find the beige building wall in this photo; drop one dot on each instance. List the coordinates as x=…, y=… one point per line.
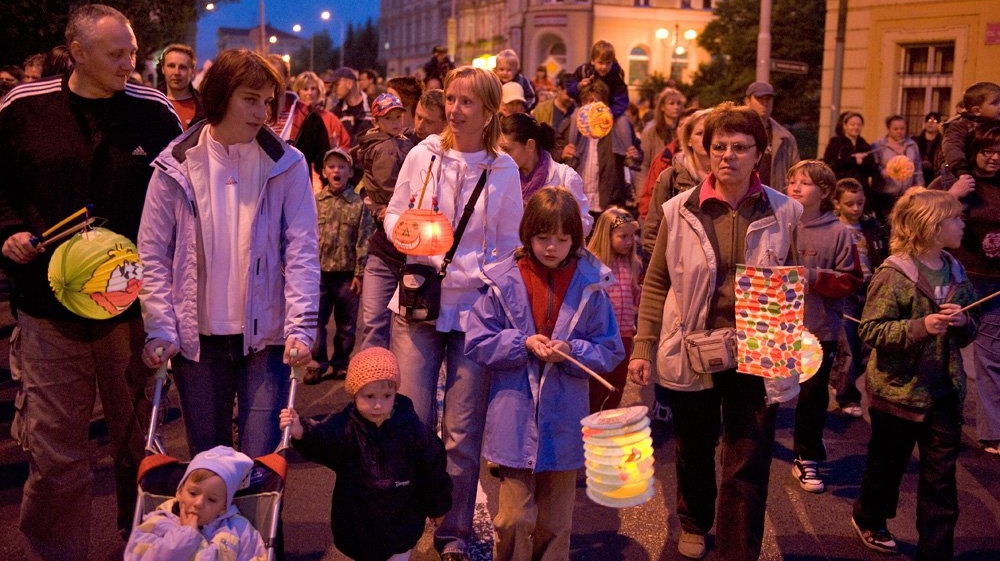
x=875, y=71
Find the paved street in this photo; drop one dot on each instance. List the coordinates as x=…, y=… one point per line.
x=800, y=526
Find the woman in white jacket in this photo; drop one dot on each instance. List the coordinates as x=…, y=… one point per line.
x=228, y=238
x=529, y=143
x=450, y=165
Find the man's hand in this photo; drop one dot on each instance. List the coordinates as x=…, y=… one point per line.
x=18, y=248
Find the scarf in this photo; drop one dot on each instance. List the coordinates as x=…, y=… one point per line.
x=535, y=180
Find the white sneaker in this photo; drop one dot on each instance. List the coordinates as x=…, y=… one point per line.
x=807, y=472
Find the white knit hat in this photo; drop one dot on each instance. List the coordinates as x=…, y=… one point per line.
x=232, y=466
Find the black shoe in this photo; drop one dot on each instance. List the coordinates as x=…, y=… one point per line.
x=316, y=374
x=879, y=540
x=339, y=373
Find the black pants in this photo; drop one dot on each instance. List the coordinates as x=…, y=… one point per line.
x=810, y=411
x=736, y=405
x=937, y=438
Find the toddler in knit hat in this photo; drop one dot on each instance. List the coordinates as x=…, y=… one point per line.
x=391, y=468
x=201, y=522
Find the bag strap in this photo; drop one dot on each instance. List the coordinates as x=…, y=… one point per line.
x=469, y=207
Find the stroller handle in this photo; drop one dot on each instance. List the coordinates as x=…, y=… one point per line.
x=161, y=377
x=294, y=377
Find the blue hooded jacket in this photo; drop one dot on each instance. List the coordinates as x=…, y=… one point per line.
x=535, y=407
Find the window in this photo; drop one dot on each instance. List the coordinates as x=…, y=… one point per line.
x=638, y=65
x=641, y=3
x=925, y=81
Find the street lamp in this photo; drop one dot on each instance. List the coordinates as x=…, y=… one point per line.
x=325, y=16
x=312, y=47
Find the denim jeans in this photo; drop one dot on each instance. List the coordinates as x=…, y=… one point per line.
x=259, y=382
x=937, y=438
x=736, y=405
x=421, y=349
x=336, y=298
x=376, y=291
x=534, y=519
x=845, y=381
x=986, y=355
x=61, y=366
x=810, y=411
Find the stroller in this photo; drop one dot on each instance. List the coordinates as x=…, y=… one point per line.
x=259, y=502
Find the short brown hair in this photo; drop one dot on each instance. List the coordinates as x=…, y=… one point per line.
x=235, y=68
x=821, y=175
x=602, y=51
x=732, y=118
x=550, y=210
x=178, y=48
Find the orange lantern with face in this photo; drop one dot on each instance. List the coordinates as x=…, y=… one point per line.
x=423, y=231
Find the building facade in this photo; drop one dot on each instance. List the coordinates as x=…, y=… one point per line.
x=648, y=35
x=907, y=57
x=278, y=41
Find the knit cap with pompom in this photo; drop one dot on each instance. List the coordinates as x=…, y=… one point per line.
x=370, y=365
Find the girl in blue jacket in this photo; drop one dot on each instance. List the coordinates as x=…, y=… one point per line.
x=548, y=295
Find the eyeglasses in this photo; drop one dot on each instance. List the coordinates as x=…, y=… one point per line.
x=737, y=148
x=989, y=153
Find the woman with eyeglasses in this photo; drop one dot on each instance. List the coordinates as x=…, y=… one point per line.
x=848, y=154
x=729, y=219
x=529, y=143
x=980, y=255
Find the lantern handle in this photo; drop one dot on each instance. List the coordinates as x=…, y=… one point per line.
x=427, y=179
x=592, y=374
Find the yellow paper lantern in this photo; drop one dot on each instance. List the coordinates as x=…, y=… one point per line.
x=422, y=231
x=96, y=273
x=619, y=457
x=594, y=120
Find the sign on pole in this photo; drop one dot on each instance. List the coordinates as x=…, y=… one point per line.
x=789, y=66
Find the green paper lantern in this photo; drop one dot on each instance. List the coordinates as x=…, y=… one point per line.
x=96, y=274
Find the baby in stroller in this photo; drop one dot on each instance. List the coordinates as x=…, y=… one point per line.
x=201, y=522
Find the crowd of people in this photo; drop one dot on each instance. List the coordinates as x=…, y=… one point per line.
x=586, y=232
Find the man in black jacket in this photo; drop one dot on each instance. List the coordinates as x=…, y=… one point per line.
x=65, y=142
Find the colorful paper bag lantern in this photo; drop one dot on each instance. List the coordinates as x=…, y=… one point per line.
x=96, y=273
x=619, y=457
x=812, y=355
x=423, y=231
x=594, y=120
x=769, y=311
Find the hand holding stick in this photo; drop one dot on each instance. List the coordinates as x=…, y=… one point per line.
x=592, y=374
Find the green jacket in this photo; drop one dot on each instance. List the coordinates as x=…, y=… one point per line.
x=907, y=360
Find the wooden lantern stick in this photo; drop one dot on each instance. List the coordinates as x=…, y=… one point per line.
x=427, y=179
x=592, y=374
x=976, y=303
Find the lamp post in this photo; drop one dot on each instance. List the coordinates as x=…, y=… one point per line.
x=325, y=16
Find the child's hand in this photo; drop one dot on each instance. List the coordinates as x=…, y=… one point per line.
x=356, y=285
x=541, y=346
x=188, y=518
x=569, y=152
x=952, y=311
x=288, y=417
x=938, y=324
x=151, y=358
x=585, y=82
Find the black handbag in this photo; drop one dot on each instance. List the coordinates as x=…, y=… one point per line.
x=420, y=284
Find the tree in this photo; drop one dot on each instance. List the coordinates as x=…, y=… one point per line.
x=320, y=50
x=361, y=48
x=33, y=26
x=731, y=40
